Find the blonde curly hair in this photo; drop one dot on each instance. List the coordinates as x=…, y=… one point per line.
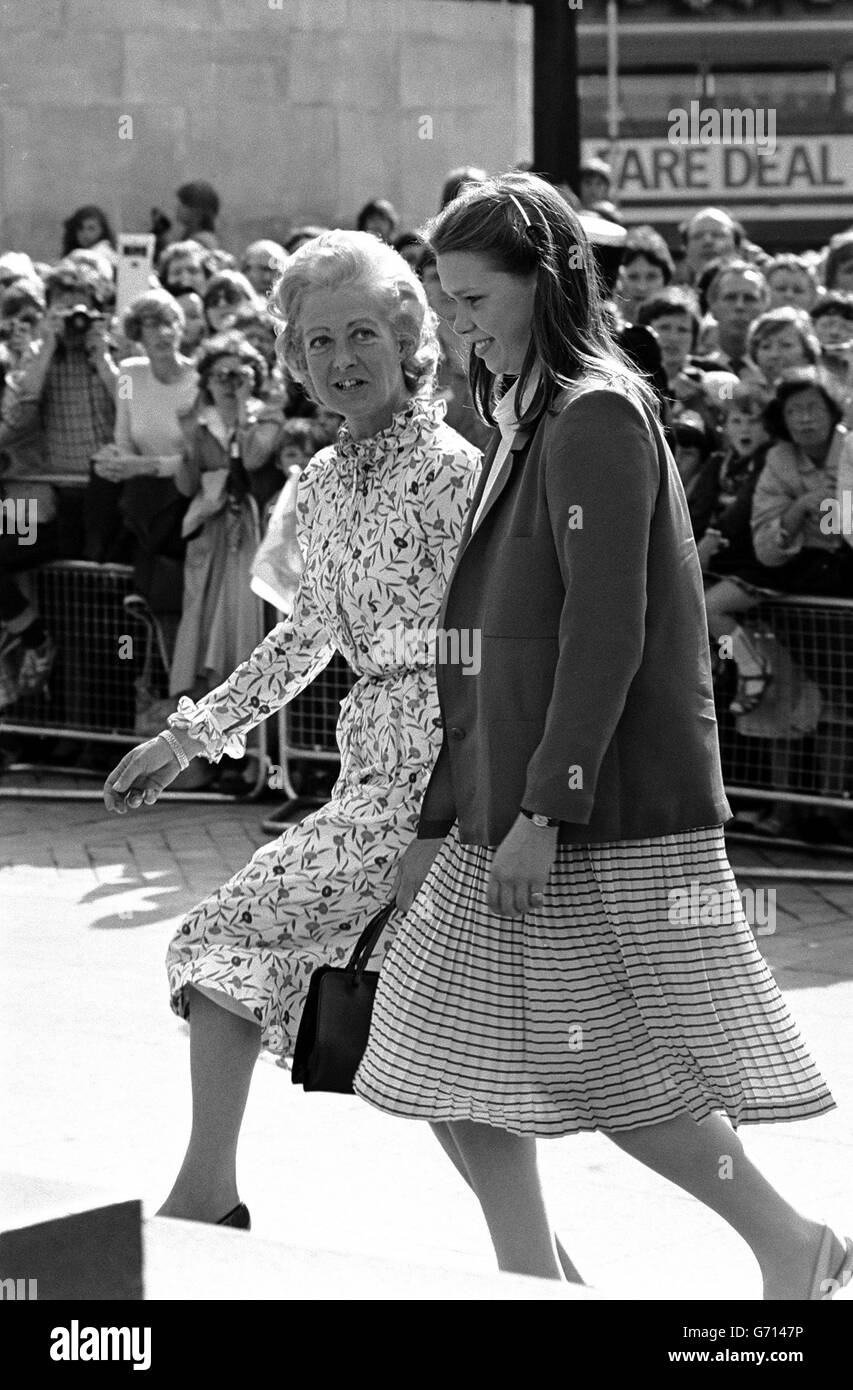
x=345, y=258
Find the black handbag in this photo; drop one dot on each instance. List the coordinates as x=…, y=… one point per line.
x=335, y=1022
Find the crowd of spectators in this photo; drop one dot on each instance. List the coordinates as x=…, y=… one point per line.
x=162, y=438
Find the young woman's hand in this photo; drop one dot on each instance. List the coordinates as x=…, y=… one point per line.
x=141, y=776
x=413, y=869
x=521, y=867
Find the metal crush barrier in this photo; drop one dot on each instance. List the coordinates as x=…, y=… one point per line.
x=306, y=733
x=312, y=718
x=797, y=744
x=91, y=694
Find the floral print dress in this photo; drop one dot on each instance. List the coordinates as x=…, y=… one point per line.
x=379, y=522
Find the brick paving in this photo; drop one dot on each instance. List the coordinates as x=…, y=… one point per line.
x=97, y=1086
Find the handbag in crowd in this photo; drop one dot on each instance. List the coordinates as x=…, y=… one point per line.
x=335, y=1022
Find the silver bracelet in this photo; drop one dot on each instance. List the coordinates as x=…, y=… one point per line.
x=176, y=748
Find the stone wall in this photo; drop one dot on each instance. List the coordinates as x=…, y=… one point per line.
x=296, y=110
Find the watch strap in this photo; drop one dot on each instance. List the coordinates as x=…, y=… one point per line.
x=538, y=819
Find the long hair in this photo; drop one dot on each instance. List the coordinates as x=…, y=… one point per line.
x=72, y=225
x=522, y=225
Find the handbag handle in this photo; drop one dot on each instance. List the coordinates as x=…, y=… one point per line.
x=366, y=943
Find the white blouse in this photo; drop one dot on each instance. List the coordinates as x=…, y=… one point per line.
x=506, y=419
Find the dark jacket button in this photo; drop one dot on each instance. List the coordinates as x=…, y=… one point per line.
x=457, y=733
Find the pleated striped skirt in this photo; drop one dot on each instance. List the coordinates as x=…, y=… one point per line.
x=635, y=993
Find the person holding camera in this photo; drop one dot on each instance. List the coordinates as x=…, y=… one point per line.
x=65, y=391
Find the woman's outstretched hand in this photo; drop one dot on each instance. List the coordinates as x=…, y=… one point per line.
x=521, y=867
x=413, y=869
x=141, y=776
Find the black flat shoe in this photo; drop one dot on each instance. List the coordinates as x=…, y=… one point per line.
x=238, y=1216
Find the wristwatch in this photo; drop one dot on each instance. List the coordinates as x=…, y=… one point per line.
x=542, y=821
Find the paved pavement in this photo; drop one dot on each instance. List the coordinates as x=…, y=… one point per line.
x=96, y=1084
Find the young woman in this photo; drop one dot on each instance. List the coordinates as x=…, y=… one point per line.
x=88, y=229
x=380, y=514
x=224, y=295
x=549, y=977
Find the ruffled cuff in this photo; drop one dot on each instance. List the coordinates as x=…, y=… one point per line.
x=200, y=722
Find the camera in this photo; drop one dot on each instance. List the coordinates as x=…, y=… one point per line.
x=79, y=319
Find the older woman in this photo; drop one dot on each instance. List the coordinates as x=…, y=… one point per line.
x=379, y=518
x=798, y=486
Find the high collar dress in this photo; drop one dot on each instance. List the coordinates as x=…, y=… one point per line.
x=378, y=524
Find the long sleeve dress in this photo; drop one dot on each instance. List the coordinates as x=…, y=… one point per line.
x=379, y=521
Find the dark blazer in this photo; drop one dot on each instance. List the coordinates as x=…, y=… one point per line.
x=593, y=701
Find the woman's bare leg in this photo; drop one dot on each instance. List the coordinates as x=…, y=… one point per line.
x=501, y=1169
x=708, y=1160
x=446, y=1138
x=722, y=602
x=223, y=1050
